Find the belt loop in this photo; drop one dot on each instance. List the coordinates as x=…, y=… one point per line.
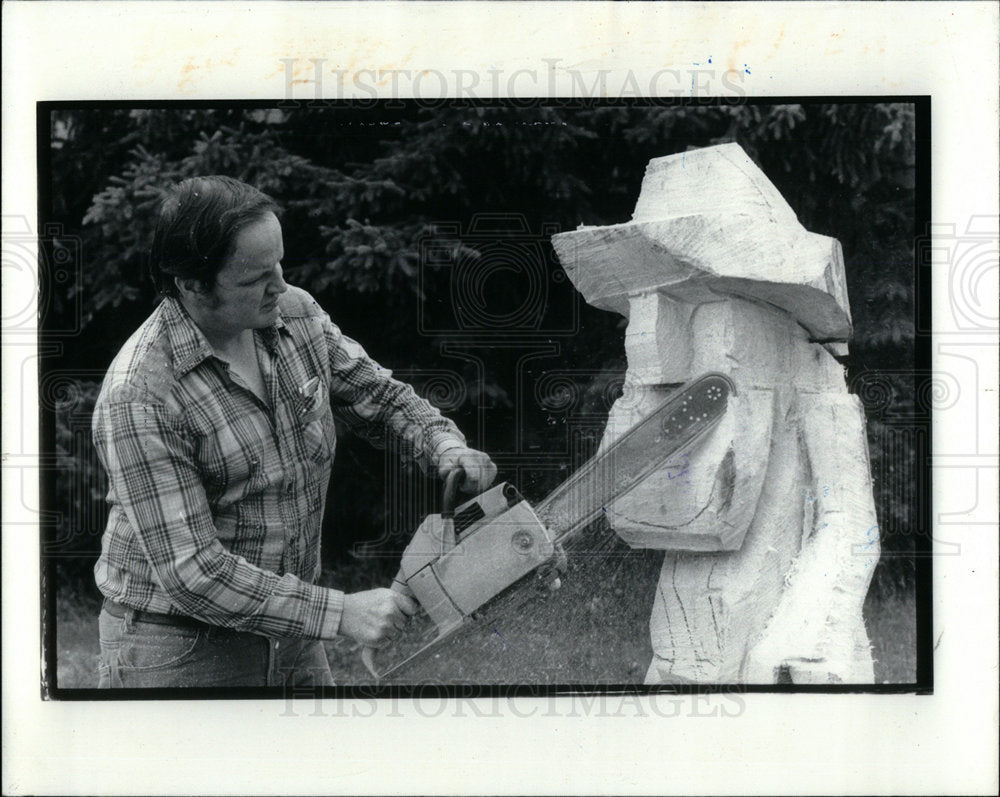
x=129, y=618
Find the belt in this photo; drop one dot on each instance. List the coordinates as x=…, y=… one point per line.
x=119, y=611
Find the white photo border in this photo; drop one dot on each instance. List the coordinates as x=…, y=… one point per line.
x=771, y=743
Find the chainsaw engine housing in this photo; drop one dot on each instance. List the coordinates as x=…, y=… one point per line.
x=455, y=564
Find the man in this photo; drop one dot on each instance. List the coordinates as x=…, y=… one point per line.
x=215, y=426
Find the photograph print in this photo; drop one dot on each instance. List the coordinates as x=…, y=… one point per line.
x=543, y=396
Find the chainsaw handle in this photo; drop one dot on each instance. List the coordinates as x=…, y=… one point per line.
x=368, y=653
x=451, y=482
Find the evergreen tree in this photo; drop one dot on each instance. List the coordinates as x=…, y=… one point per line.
x=367, y=190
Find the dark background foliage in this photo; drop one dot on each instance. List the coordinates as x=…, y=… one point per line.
x=369, y=192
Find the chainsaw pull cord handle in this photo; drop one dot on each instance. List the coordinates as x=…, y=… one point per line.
x=451, y=482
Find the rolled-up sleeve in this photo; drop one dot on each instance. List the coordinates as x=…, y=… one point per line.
x=151, y=464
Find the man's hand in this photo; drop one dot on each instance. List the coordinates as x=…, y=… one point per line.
x=375, y=617
x=478, y=468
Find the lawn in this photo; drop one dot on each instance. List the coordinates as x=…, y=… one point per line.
x=889, y=616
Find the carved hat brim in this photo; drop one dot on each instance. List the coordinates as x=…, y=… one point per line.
x=708, y=222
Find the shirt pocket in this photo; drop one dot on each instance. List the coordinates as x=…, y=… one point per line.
x=315, y=422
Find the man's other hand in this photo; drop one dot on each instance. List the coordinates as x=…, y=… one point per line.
x=375, y=617
x=478, y=468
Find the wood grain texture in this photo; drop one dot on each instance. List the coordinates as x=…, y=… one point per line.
x=709, y=223
x=771, y=540
x=705, y=499
x=706, y=180
x=816, y=632
x=710, y=607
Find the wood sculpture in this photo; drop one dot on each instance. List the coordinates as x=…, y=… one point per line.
x=768, y=527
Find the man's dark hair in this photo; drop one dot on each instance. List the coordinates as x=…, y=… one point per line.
x=197, y=227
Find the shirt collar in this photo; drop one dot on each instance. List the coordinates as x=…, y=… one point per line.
x=188, y=343
x=271, y=334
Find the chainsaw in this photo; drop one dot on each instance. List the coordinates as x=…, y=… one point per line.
x=460, y=560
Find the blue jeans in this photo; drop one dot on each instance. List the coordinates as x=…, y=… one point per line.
x=142, y=655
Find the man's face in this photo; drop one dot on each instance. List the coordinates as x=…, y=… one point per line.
x=247, y=287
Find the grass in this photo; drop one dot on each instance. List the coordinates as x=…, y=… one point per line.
x=891, y=620
x=583, y=652
x=77, y=606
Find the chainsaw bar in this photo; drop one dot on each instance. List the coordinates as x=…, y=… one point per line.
x=685, y=416
x=689, y=413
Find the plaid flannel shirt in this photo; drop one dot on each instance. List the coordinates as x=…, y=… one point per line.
x=217, y=499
